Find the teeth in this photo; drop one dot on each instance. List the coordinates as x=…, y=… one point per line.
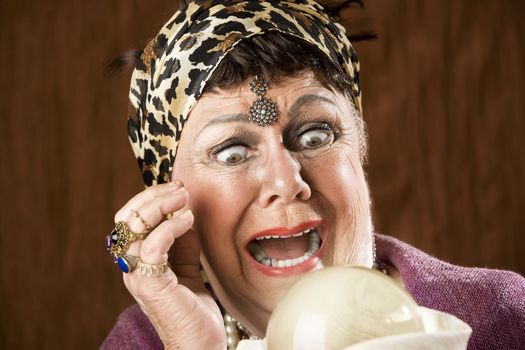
x=260, y=256
x=274, y=236
x=315, y=239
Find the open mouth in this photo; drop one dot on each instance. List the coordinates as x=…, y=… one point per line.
x=286, y=249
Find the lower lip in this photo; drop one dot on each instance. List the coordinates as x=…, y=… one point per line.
x=303, y=267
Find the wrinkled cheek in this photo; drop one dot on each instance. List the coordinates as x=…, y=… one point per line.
x=353, y=242
x=360, y=250
x=211, y=213
x=205, y=211
x=217, y=208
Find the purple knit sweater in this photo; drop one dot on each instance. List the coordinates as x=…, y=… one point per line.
x=492, y=302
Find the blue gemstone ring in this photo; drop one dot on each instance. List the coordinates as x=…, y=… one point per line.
x=128, y=263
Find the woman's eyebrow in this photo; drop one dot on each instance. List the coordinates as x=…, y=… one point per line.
x=305, y=99
x=227, y=118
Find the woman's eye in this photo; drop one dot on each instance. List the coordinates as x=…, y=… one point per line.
x=315, y=138
x=232, y=155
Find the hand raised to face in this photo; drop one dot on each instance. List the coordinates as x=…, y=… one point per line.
x=175, y=300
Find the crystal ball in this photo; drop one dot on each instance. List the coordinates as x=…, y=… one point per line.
x=337, y=307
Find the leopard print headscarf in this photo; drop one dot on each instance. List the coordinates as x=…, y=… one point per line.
x=176, y=64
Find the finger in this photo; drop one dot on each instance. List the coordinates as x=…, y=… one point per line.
x=185, y=255
x=156, y=210
x=136, y=247
x=154, y=250
x=145, y=196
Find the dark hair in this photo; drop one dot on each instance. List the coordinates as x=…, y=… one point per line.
x=275, y=56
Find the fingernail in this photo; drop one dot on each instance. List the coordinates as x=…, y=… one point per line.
x=178, y=191
x=186, y=215
x=176, y=186
x=177, y=182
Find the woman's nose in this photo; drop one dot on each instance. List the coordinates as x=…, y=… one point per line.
x=281, y=180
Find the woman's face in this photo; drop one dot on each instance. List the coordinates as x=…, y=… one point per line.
x=271, y=203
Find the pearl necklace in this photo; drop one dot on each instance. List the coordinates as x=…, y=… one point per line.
x=235, y=332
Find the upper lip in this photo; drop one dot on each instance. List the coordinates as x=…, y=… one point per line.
x=285, y=231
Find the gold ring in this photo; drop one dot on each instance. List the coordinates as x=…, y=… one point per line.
x=146, y=225
x=118, y=241
x=152, y=270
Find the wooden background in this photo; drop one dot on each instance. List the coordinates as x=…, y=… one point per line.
x=444, y=91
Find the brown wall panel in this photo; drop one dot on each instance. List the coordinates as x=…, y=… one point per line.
x=443, y=89
x=443, y=95
x=66, y=166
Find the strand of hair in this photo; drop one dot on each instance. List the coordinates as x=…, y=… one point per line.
x=124, y=60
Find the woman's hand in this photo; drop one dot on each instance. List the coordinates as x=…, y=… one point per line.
x=177, y=303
